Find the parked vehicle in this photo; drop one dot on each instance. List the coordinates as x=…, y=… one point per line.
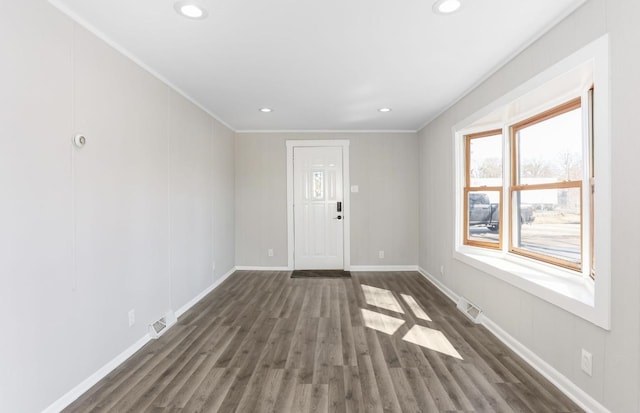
x=484, y=213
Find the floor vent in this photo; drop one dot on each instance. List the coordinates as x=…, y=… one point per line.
x=469, y=309
x=163, y=324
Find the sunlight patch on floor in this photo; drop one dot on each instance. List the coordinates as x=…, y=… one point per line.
x=380, y=322
x=431, y=339
x=380, y=297
x=415, y=307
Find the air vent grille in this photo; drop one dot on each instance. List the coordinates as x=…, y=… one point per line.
x=159, y=327
x=469, y=309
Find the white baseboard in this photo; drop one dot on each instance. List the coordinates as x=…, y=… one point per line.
x=446, y=290
x=355, y=268
x=566, y=386
x=81, y=388
x=383, y=268
x=90, y=381
x=203, y=294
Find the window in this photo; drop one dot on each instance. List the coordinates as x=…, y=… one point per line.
x=548, y=155
x=533, y=186
x=483, y=189
x=548, y=164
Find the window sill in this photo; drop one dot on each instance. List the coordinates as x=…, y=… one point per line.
x=563, y=288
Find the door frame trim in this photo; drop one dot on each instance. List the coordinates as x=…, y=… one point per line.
x=346, y=192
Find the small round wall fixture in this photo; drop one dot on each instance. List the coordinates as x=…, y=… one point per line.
x=266, y=110
x=190, y=10
x=384, y=110
x=79, y=140
x=446, y=6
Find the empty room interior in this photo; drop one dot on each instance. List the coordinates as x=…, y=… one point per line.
x=345, y=206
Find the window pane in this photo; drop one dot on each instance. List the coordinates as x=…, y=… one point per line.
x=318, y=185
x=485, y=156
x=484, y=213
x=551, y=150
x=550, y=222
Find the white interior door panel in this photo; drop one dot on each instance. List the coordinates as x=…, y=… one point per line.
x=318, y=223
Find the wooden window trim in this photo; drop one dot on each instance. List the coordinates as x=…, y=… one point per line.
x=466, y=240
x=574, y=103
x=592, y=185
x=468, y=188
x=542, y=257
x=516, y=186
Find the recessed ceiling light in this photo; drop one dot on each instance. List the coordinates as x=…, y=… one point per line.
x=446, y=6
x=190, y=9
x=266, y=110
x=384, y=110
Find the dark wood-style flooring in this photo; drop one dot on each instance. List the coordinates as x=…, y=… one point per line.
x=263, y=342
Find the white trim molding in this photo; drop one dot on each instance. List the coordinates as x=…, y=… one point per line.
x=383, y=268
x=332, y=131
x=440, y=285
x=204, y=293
x=566, y=386
x=63, y=8
x=344, y=144
x=90, y=381
x=254, y=268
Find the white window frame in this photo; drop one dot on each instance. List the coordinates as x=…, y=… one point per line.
x=576, y=293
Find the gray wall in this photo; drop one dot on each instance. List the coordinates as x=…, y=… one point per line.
x=555, y=335
x=132, y=220
x=384, y=213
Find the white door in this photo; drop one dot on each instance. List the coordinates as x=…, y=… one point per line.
x=318, y=208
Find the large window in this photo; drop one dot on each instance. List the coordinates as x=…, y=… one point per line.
x=533, y=186
x=546, y=160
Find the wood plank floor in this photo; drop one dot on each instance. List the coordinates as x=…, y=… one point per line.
x=377, y=342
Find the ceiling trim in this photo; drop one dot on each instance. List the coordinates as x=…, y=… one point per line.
x=325, y=131
x=119, y=48
x=566, y=13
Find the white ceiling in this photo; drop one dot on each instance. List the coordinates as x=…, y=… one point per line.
x=321, y=65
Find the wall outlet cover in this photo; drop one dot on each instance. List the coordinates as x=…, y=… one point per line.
x=586, y=362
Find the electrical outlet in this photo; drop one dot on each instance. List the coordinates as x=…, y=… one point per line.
x=380, y=254
x=442, y=270
x=132, y=317
x=270, y=252
x=586, y=362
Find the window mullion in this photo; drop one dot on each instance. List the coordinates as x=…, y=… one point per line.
x=505, y=235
